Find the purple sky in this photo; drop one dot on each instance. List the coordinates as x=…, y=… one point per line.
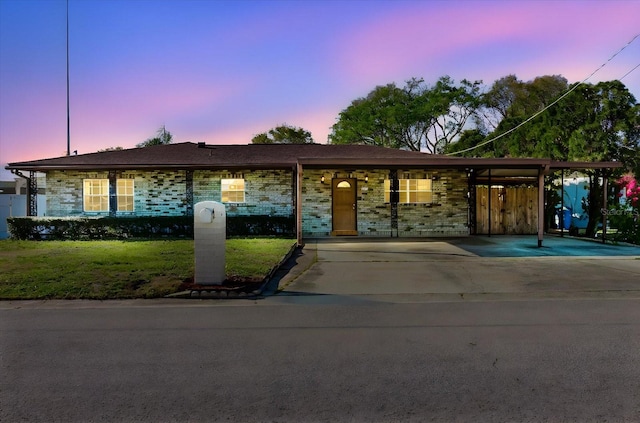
x=221, y=72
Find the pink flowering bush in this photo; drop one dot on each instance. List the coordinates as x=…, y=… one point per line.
x=626, y=219
x=632, y=190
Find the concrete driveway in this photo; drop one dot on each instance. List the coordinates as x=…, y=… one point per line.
x=498, y=267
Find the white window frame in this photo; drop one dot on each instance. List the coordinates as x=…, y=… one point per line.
x=125, y=192
x=232, y=190
x=95, y=195
x=411, y=191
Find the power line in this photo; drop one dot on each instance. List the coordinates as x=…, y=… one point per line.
x=553, y=103
x=636, y=67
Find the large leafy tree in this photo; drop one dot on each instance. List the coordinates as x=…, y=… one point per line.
x=506, y=105
x=284, y=134
x=416, y=117
x=162, y=137
x=598, y=122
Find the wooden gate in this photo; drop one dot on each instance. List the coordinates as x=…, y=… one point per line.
x=514, y=210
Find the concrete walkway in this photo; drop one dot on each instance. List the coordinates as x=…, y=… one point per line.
x=463, y=268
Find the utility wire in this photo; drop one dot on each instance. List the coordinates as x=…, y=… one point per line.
x=636, y=67
x=553, y=103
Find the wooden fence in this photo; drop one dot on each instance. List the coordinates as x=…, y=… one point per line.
x=514, y=210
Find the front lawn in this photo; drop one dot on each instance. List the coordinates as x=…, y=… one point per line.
x=120, y=269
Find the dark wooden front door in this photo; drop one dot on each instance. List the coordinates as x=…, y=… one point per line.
x=344, y=206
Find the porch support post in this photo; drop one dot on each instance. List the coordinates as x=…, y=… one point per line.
x=489, y=202
x=393, y=200
x=32, y=194
x=605, y=183
x=113, y=193
x=188, y=191
x=299, y=204
x=540, y=206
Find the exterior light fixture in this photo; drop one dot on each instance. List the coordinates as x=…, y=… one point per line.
x=322, y=179
x=366, y=179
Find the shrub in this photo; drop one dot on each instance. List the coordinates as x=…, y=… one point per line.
x=94, y=228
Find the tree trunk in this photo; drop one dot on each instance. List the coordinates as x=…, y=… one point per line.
x=595, y=204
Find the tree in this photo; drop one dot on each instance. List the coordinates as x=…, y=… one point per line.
x=118, y=148
x=510, y=102
x=162, y=137
x=416, y=117
x=284, y=134
x=590, y=123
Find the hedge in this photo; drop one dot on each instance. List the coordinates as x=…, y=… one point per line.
x=89, y=228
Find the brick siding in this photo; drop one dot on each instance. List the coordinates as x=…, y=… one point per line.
x=271, y=192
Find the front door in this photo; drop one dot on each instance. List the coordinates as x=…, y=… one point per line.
x=344, y=206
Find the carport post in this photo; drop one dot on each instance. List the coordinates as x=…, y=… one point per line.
x=605, y=181
x=540, y=206
x=562, y=205
x=489, y=204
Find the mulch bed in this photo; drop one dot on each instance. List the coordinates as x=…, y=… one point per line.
x=233, y=284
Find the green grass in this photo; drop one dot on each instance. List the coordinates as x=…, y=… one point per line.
x=120, y=269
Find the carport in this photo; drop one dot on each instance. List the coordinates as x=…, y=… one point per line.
x=497, y=174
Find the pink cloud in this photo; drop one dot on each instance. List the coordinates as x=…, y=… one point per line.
x=317, y=121
x=441, y=38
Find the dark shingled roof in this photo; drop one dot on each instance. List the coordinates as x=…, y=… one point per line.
x=192, y=155
x=275, y=156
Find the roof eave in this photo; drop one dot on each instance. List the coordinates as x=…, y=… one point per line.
x=102, y=167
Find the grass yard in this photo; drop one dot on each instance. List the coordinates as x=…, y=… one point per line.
x=120, y=269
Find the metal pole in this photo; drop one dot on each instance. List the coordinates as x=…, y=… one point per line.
x=489, y=202
x=68, y=119
x=562, y=206
x=540, y=206
x=604, y=204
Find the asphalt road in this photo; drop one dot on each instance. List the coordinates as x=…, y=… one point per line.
x=546, y=360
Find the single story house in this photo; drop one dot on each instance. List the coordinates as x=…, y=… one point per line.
x=330, y=190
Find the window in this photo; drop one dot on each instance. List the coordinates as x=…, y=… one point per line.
x=410, y=190
x=232, y=190
x=124, y=192
x=96, y=195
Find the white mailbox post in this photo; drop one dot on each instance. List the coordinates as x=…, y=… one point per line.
x=209, y=235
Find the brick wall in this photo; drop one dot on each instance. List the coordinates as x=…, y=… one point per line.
x=445, y=216
x=164, y=193
x=159, y=193
x=271, y=192
x=64, y=192
x=448, y=213
x=316, y=203
x=267, y=192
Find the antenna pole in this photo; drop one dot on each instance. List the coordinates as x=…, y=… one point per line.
x=68, y=120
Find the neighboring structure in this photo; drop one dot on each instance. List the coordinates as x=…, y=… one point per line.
x=13, y=202
x=330, y=190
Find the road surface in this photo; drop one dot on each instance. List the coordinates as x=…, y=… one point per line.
x=291, y=361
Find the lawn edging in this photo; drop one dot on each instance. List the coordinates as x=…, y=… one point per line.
x=234, y=292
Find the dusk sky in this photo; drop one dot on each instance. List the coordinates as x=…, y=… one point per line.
x=224, y=71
